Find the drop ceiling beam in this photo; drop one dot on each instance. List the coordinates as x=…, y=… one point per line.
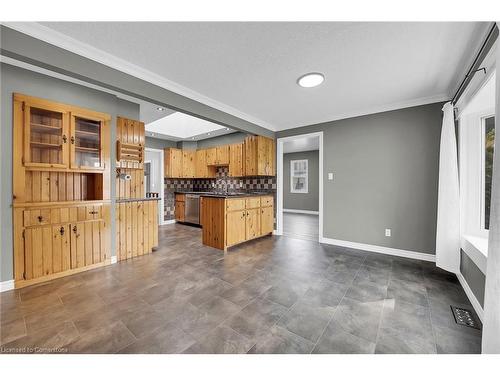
x=22, y=47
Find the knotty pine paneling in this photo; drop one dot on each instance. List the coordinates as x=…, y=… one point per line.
x=55, y=187
x=136, y=228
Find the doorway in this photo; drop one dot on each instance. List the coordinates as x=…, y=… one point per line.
x=153, y=178
x=300, y=186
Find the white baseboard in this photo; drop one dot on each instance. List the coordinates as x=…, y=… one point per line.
x=6, y=285
x=380, y=249
x=114, y=259
x=472, y=298
x=307, y=212
x=167, y=222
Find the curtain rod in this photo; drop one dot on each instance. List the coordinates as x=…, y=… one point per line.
x=483, y=51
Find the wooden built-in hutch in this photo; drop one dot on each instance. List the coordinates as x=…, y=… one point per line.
x=61, y=192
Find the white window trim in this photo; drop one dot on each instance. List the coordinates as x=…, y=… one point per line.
x=474, y=238
x=292, y=188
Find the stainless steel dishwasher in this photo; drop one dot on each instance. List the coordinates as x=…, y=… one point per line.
x=192, y=209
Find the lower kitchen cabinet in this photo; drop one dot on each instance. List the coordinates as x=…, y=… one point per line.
x=58, y=241
x=230, y=221
x=235, y=227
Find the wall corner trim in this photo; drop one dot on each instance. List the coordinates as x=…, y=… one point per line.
x=6, y=285
x=307, y=212
x=470, y=295
x=114, y=259
x=379, y=249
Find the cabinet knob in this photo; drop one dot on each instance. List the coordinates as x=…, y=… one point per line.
x=61, y=231
x=72, y=140
x=40, y=219
x=74, y=229
x=64, y=138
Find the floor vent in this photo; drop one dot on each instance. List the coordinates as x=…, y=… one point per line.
x=464, y=317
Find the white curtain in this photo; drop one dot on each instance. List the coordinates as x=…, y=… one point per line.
x=448, y=214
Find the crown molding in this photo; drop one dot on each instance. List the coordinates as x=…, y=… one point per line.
x=70, y=44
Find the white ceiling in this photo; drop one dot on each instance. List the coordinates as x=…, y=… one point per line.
x=180, y=125
x=250, y=69
x=301, y=145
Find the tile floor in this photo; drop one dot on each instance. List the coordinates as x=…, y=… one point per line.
x=272, y=295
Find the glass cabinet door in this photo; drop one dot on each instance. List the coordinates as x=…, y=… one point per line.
x=86, y=150
x=45, y=137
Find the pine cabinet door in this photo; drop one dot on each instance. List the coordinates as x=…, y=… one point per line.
x=179, y=211
x=267, y=220
x=86, y=142
x=235, y=228
x=211, y=156
x=252, y=223
x=45, y=136
x=236, y=163
x=223, y=155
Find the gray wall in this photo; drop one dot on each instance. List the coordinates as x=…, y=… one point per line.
x=473, y=275
x=227, y=139
x=385, y=170
x=15, y=79
x=159, y=144
x=309, y=201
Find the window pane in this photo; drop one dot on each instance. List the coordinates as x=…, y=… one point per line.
x=489, y=128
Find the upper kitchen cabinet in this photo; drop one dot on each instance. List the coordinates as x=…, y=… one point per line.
x=218, y=155
x=188, y=163
x=236, y=160
x=202, y=169
x=86, y=142
x=46, y=133
x=173, y=162
x=259, y=156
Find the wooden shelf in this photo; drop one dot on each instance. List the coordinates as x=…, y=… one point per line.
x=49, y=128
x=44, y=145
x=86, y=149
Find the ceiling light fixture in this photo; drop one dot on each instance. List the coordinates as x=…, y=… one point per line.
x=310, y=80
x=160, y=109
x=208, y=133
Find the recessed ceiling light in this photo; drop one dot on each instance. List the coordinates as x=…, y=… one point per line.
x=208, y=133
x=160, y=109
x=311, y=80
x=228, y=129
x=193, y=137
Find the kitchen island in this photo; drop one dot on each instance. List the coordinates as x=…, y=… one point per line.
x=228, y=220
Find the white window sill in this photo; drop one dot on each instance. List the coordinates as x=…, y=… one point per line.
x=476, y=248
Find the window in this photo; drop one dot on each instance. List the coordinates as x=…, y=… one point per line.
x=488, y=132
x=298, y=176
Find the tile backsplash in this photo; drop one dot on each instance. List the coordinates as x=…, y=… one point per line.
x=221, y=182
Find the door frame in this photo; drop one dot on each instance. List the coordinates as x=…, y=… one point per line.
x=161, y=208
x=279, y=180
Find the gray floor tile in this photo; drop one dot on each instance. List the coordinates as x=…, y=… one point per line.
x=359, y=318
x=222, y=340
x=278, y=340
x=336, y=340
x=307, y=321
x=364, y=290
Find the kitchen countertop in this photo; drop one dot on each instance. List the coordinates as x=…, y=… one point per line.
x=223, y=195
x=123, y=200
